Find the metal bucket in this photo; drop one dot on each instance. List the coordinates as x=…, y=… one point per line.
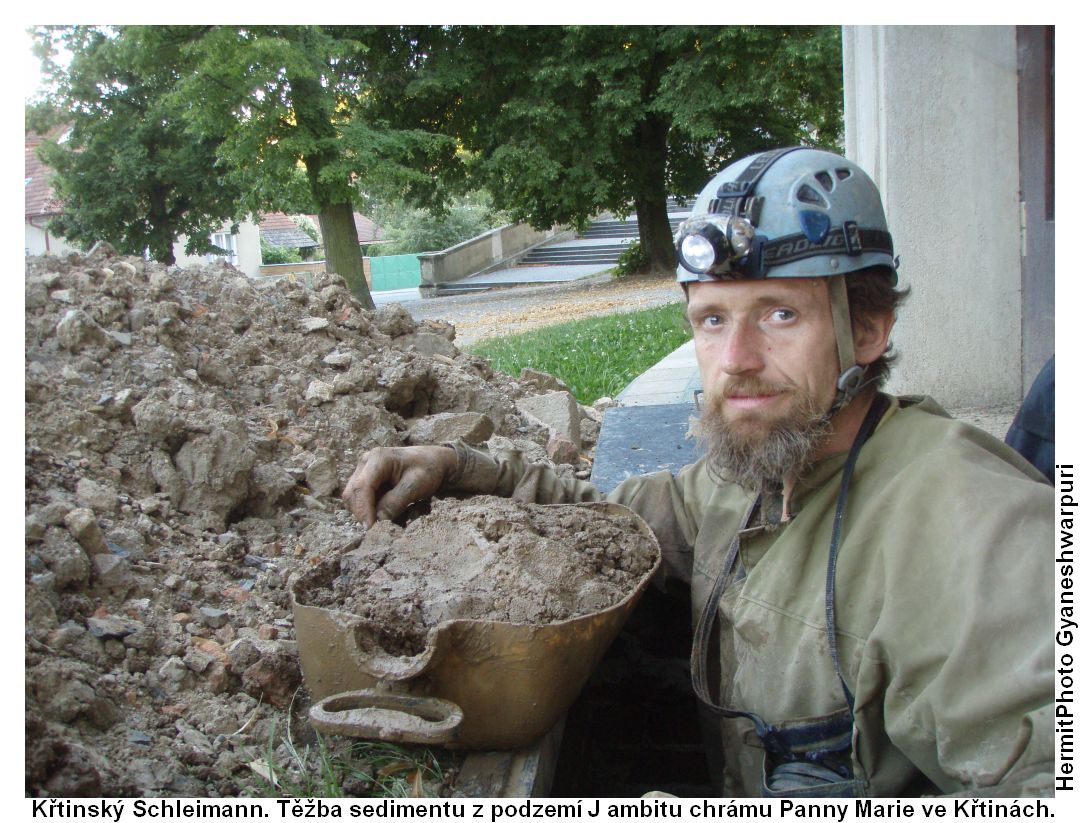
x=477, y=684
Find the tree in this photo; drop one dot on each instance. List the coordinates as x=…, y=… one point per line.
x=410, y=230
x=564, y=122
x=127, y=171
x=282, y=96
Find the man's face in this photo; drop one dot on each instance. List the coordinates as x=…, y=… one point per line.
x=768, y=363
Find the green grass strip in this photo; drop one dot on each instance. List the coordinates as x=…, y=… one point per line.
x=595, y=356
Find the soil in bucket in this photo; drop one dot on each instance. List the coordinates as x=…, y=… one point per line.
x=486, y=558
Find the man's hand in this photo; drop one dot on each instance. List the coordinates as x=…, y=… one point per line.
x=408, y=474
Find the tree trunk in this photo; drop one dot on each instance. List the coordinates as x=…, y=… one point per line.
x=162, y=235
x=342, y=246
x=655, y=233
x=312, y=108
x=650, y=196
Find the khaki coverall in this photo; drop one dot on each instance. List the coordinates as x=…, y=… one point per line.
x=944, y=589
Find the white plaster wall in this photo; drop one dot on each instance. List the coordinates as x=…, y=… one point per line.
x=248, y=250
x=36, y=244
x=931, y=114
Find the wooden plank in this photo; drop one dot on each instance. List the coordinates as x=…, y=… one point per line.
x=526, y=772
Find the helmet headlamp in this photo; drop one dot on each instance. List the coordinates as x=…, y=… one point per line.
x=709, y=243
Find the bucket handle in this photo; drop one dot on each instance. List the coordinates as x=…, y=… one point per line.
x=364, y=650
x=397, y=718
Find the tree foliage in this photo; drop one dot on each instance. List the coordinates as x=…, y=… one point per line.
x=127, y=171
x=563, y=122
x=272, y=255
x=176, y=129
x=411, y=230
x=288, y=95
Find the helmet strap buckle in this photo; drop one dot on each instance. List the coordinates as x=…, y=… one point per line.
x=852, y=376
x=852, y=238
x=755, y=260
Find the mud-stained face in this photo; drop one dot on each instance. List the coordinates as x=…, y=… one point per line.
x=767, y=355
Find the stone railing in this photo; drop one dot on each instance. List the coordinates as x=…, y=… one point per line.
x=493, y=249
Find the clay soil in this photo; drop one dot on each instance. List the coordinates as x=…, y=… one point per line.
x=187, y=436
x=486, y=558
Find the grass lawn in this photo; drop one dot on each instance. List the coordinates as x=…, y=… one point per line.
x=595, y=356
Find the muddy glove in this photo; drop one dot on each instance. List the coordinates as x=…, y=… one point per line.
x=389, y=480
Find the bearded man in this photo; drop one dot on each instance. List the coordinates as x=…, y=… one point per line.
x=870, y=592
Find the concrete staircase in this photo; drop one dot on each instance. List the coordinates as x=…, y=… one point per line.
x=596, y=250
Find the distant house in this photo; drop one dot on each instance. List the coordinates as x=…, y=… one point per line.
x=241, y=249
x=41, y=203
x=279, y=229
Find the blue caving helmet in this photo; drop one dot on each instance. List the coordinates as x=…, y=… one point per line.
x=792, y=212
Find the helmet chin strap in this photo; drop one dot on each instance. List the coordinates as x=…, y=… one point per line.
x=852, y=376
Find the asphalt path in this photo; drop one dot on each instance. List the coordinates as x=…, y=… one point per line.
x=501, y=311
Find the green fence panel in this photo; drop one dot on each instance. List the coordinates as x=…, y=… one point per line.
x=397, y=271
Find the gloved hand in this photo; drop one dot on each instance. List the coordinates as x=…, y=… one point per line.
x=389, y=480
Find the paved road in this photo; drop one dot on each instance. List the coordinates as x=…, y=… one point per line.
x=498, y=312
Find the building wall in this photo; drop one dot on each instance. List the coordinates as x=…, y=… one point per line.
x=248, y=250
x=931, y=114
x=36, y=242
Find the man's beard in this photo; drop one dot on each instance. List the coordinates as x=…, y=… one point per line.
x=754, y=451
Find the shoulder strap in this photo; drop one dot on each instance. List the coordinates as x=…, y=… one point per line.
x=873, y=417
x=773, y=737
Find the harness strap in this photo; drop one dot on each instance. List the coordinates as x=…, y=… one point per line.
x=748, y=178
x=848, y=240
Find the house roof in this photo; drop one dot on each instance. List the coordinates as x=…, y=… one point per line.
x=279, y=229
x=366, y=230
x=39, y=196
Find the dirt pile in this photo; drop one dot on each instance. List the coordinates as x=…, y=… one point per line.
x=485, y=558
x=187, y=433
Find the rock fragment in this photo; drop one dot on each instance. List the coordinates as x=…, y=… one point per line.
x=321, y=475
x=65, y=558
x=214, y=618
x=111, y=627
x=96, y=496
x=83, y=526
x=319, y=391
x=78, y=331
x=473, y=427
x=558, y=409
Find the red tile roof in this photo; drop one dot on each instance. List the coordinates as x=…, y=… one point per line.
x=366, y=230
x=271, y=223
x=39, y=197
x=278, y=229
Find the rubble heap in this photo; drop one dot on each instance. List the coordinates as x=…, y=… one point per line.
x=187, y=435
